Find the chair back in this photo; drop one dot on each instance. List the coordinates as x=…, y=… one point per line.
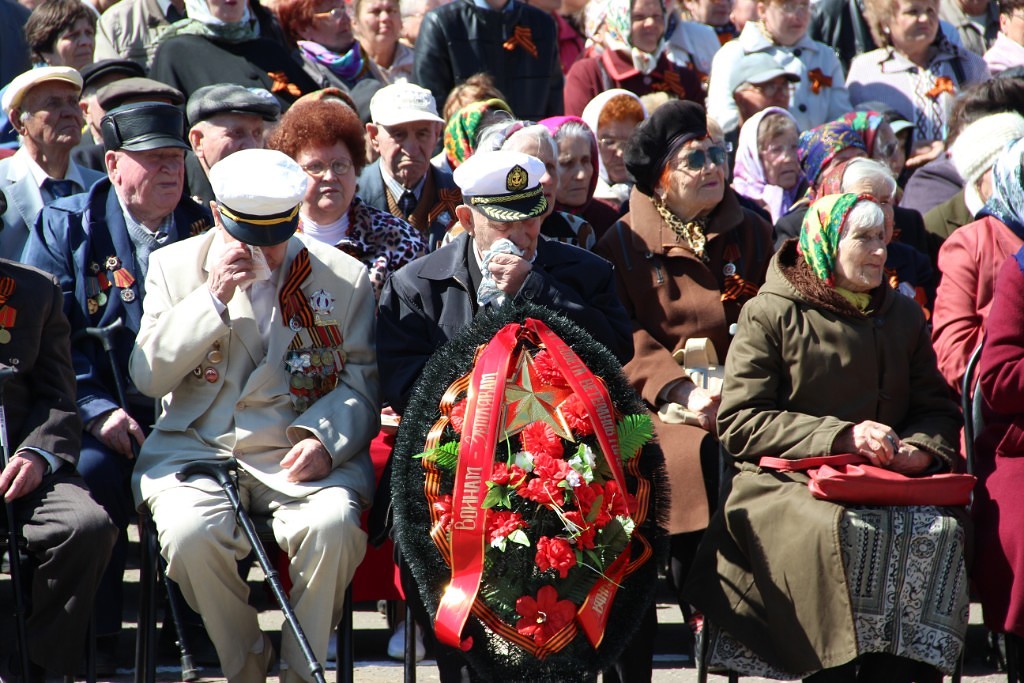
x=970, y=403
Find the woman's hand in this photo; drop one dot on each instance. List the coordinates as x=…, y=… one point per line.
x=701, y=402
x=910, y=461
x=923, y=152
x=874, y=440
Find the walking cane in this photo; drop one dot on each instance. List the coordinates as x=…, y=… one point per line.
x=13, y=544
x=223, y=474
x=105, y=336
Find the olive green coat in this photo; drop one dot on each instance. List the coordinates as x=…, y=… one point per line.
x=804, y=367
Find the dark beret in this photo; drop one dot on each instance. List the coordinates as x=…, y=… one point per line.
x=110, y=67
x=143, y=126
x=229, y=98
x=658, y=137
x=113, y=95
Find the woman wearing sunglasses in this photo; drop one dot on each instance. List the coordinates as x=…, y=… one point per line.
x=687, y=257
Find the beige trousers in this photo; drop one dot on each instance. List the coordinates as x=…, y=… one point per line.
x=202, y=542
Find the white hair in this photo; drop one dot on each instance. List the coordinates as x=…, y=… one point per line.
x=864, y=214
x=870, y=171
x=498, y=136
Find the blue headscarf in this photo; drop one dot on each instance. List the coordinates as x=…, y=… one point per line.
x=1007, y=200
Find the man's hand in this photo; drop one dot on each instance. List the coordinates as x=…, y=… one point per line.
x=116, y=430
x=308, y=460
x=234, y=268
x=23, y=475
x=509, y=272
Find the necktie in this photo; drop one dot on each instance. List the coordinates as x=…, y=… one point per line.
x=407, y=203
x=60, y=188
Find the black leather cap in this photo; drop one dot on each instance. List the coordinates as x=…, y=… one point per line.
x=659, y=136
x=228, y=98
x=143, y=126
x=125, y=68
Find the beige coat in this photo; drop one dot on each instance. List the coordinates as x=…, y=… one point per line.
x=247, y=411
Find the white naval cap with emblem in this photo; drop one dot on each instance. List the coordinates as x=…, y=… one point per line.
x=258, y=195
x=503, y=185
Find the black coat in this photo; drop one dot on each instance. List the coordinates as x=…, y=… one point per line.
x=460, y=39
x=429, y=301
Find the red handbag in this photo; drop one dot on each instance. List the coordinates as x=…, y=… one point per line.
x=850, y=478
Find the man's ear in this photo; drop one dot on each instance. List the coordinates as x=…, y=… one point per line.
x=371, y=133
x=110, y=162
x=465, y=216
x=195, y=140
x=15, y=118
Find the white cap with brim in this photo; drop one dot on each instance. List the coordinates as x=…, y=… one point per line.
x=403, y=103
x=258, y=195
x=22, y=83
x=503, y=185
x=757, y=68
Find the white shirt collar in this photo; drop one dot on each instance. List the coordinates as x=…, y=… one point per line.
x=397, y=188
x=39, y=175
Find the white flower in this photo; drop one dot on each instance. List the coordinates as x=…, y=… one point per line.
x=525, y=461
x=574, y=479
x=583, y=462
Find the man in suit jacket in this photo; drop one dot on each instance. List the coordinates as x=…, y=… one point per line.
x=261, y=344
x=98, y=245
x=67, y=532
x=404, y=130
x=42, y=105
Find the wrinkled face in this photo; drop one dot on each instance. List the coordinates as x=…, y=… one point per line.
x=780, y=162
x=485, y=232
x=150, y=182
x=575, y=169
x=1012, y=25
x=860, y=261
x=648, y=25
x=710, y=12
x=228, y=11
x=379, y=21
x=754, y=97
x=914, y=25
x=405, y=149
x=331, y=27
x=74, y=46
x=332, y=181
x=224, y=134
x=690, y=192
x=785, y=21
x=611, y=144
x=878, y=190
x=535, y=147
x=52, y=115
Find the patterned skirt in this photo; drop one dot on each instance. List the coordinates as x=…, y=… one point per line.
x=908, y=588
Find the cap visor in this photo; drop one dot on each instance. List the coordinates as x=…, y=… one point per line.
x=395, y=118
x=148, y=142
x=518, y=210
x=259, y=236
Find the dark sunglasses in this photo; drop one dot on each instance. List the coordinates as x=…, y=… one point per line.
x=698, y=158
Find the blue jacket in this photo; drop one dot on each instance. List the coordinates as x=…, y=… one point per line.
x=73, y=239
x=373, y=191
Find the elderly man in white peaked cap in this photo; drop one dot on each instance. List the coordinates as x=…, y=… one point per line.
x=262, y=345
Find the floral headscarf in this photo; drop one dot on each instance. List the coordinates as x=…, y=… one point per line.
x=821, y=231
x=1007, y=201
x=748, y=174
x=553, y=124
x=819, y=146
x=618, y=24
x=462, y=129
x=201, y=22
x=867, y=124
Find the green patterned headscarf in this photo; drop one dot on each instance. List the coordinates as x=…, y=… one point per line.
x=821, y=230
x=461, y=132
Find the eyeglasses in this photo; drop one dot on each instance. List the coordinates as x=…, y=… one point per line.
x=336, y=13
x=338, y=167
x=887, y=150
x=794, y=7
x=615, y=144
x=697, y=159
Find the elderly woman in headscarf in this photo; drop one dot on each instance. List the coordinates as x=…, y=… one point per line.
x=464, y=127
x=827, y=360
x=970, y=259
x=578, y=165
x=634, y=59
x=687, y=258
x=767, y=167
x=220, y=41
x=613, y=115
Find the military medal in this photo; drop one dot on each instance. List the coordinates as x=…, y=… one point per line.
x=211, y=375
x=94, y=267
x=322, y=302
x=729, y=269
x=127, y=295
x=215, y=356
x=113, y=263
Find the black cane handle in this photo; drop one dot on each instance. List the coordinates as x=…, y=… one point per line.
x=6, y=373
x=105, y=335
x=219, y=471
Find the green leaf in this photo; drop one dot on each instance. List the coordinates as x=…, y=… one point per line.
x=519, y=536
x=634, y=432
x=445, y=456
x=494, y=497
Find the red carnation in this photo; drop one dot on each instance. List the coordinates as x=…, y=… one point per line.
x=538, y=438
x=457, y=415
x=555, y=553
x=544, y=366
x=547, y=467
x=545, y=491
x=586, y=498
x=501, y=523
x=503, y=475
x=583, y=535
x=443, y=507
x=544, y=616
x=576, y=416
x=616, y=502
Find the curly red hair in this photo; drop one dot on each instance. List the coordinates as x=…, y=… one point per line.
x=320, y=123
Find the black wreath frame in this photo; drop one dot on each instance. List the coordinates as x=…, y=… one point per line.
x=491, y=657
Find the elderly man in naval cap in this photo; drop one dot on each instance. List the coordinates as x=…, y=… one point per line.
x=261, y=344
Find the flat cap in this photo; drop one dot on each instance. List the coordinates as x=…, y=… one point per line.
x=503, y=185
x=757, y=68
x=229, y=98
x=143, y=126
x=137, y=89
x=258, y=194
x=22, y=83
x=659, y=136
x=125, y=68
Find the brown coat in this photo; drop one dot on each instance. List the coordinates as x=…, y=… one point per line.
x=671, y=296
x=805, y=366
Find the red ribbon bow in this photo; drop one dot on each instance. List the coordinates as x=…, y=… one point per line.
x=818, y=80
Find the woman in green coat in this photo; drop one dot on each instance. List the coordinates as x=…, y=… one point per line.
x=827, y=359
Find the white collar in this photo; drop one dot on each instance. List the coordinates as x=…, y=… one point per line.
x=39, y=176
x=397, y=188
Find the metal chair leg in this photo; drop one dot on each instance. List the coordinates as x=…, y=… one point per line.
x=346, y=642
x=410, y=645
x=1012, y=645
